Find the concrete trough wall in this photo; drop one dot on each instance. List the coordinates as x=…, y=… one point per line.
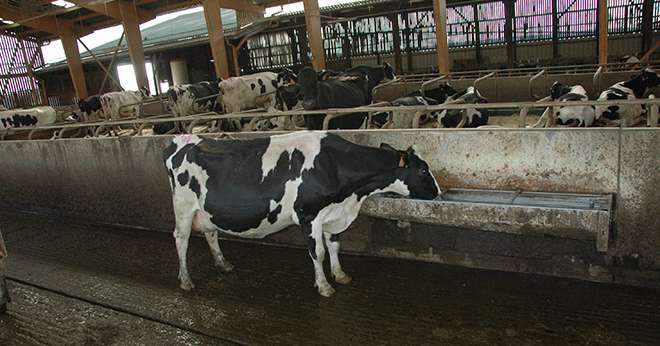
x=123, y=181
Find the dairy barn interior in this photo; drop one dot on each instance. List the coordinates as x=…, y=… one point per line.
x=522, y=152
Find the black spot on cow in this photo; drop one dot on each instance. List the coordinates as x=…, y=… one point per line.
x=194, y=186
x=252, y=86
x=178, y=158
x=183, y=178
x=274, y=83
x=19, y=120
x=334, y=237
x=272, y=216
x=262, y=86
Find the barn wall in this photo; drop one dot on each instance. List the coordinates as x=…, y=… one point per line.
x=65, y=177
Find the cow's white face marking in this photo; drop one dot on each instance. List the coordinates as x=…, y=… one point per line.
x=432, y=176
x=308, y=143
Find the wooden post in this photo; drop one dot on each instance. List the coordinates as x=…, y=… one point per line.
x=396, y=40
x=647, y=25
x=442, y=48
x=70, y=45
x=131, y=24
x=555, y=30
x=477, y=33
x=216, y=37
x=602, y=32
x=313, y=24
x=510, y=13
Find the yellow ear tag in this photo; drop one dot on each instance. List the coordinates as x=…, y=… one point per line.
x=402, y=163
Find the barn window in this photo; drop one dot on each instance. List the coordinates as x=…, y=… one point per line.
x=577, y=18
x=656, y=15
x=420, y=31
x=460, y=26
x=533, y=20
x=492, y=18
x=624, y=16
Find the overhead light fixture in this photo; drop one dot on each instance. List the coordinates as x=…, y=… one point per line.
x=62, y=3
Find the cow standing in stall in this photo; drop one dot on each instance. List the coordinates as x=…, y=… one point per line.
x=336, y=92
x=635, y=88
x=253, y=188
x=189, y=99
x=37, y=116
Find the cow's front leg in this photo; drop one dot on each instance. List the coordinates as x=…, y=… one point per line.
x=314, y=233
x=220, y=260
x=332, y=242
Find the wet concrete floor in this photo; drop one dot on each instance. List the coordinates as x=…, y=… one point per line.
x=76, y=283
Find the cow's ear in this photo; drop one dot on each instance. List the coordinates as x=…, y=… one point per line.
x=387, y=146
x=411, y=150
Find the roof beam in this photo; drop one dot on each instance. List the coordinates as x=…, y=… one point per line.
x=242, y=5
x=112, y=9
x=48, y=24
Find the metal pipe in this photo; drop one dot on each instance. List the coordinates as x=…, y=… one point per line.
x=596, y=80
x=478, y=80
x=531, y=83
x=422, y=88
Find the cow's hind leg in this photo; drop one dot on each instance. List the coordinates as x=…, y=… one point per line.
x=314, y=233
x=220, y=260
x=181, y=237
x=332, y=242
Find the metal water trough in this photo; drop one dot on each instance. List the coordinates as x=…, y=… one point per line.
x=564, y=215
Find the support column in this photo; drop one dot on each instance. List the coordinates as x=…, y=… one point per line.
x=131, y=25
x=602, y=32
x=442, y=48
x=216, y=37
x=396, y=40
x=313, y=25
x=510, y=13
x=70, y=45
x=647, y=25
x=477, y=33
x=555, y=30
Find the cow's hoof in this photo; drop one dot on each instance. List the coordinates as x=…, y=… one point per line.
x=344, y=280
x=187, y=285
x=225, y=266
x=326, y=290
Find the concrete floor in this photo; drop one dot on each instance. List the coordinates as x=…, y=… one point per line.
x=76, y=284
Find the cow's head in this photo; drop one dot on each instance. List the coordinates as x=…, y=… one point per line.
x=388, y=72
x=651, y=78
x=144, y=92
x=289, y=97
x=415, y=173
x=309, y=83
x=558, y=90
x=286, y=77
x=83, y=105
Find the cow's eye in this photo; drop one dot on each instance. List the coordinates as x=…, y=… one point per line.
x=423, y=171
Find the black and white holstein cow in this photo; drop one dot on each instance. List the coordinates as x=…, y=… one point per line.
x=567, y=115
x=336, y=92
x=110, y=106
x=470, y=117
x=189, y=99
x=253, y=188
x=635, y=88
x=37, y=116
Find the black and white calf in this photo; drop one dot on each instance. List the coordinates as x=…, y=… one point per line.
x=633, y=89
x=37, y=116
x=440, y=93
x=113, y=105
x=401, y=119
x=470, y=117
x=336, y=92
x=253, y=188
x=194, y=98
x=567, y=115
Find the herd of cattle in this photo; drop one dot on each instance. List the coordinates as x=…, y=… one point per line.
x=312, y=90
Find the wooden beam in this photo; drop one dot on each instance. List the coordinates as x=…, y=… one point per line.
x=112, y=9
x=313, y=24
x=602, y=32
x=510, y=14
x=442, y=48
x=130, y=22
x=216, y=37
x=647, y=25
x=43, y=23
x=242, y=5
x=70, y=45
